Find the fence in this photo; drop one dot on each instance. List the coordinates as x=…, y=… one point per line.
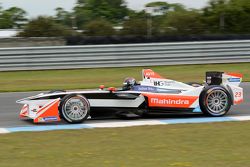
x=124, y=55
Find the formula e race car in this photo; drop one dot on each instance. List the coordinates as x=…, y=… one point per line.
x=154, y=94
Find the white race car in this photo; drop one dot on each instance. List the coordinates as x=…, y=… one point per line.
x=154, y=94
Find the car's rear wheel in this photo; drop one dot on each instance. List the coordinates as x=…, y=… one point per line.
x=74, y=108
x=215, y=101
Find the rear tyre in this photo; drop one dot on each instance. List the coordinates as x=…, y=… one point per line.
x=215, y=101
x=74, y=108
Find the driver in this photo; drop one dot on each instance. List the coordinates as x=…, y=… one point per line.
x=129, y=83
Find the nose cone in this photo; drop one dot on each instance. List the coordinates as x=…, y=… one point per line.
x=27, y=99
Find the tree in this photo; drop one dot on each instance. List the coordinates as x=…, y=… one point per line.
x=65, y=18
x=166, y=7
x=237, y=17
x=112, y=10
x=5, y=21
x=44, y=27
x=135, y=27
x=135, y=14
x=157, y=14
x=12, y=18
x=183, y=22
x=99, y=27
x=214, y=15
x=227, y=16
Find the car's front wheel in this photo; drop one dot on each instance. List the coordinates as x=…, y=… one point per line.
x=74, y=108
x=215, y=101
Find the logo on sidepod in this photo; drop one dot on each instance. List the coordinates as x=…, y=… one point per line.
x=234, y=79
x=169, y=101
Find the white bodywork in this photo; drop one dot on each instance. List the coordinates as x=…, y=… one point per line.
x=186, y=96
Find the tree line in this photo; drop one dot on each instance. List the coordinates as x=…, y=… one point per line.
x=113, y=17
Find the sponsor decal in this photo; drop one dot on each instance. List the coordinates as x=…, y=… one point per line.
x=50, y=119
x=47, y=119
x=148, y=73
x=174, y=101
x=145, y=88
x=170, y=101
x=163, y=83
x=150, y=89
x=234, y=79
x=159, y=83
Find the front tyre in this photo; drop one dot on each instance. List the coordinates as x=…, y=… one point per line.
x=215, y=101
x=74, y=108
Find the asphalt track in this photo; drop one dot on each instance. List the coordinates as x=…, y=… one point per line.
x=9, y=110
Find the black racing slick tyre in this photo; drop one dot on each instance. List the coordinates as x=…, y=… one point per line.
x=215, y=101
x=74, y=108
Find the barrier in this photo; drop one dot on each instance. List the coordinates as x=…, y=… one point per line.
x=123, y=55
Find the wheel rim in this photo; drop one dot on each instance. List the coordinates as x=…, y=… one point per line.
x=76, y=108
x=217, y=101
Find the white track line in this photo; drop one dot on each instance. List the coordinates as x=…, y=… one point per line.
x=3, y=130
x=130, y=123
x=242, y=118
x=124, y=124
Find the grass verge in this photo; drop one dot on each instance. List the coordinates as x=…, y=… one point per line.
x=187, y=145
x=92, y=78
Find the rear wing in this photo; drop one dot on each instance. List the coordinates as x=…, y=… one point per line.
x=217, y=78
x=232, y=78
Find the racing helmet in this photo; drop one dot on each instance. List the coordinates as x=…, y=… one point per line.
x=129, y=83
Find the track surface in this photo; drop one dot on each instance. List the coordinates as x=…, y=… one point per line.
x=9, y=110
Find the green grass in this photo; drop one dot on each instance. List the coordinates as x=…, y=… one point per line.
x=187, y=145
x=92, y=78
